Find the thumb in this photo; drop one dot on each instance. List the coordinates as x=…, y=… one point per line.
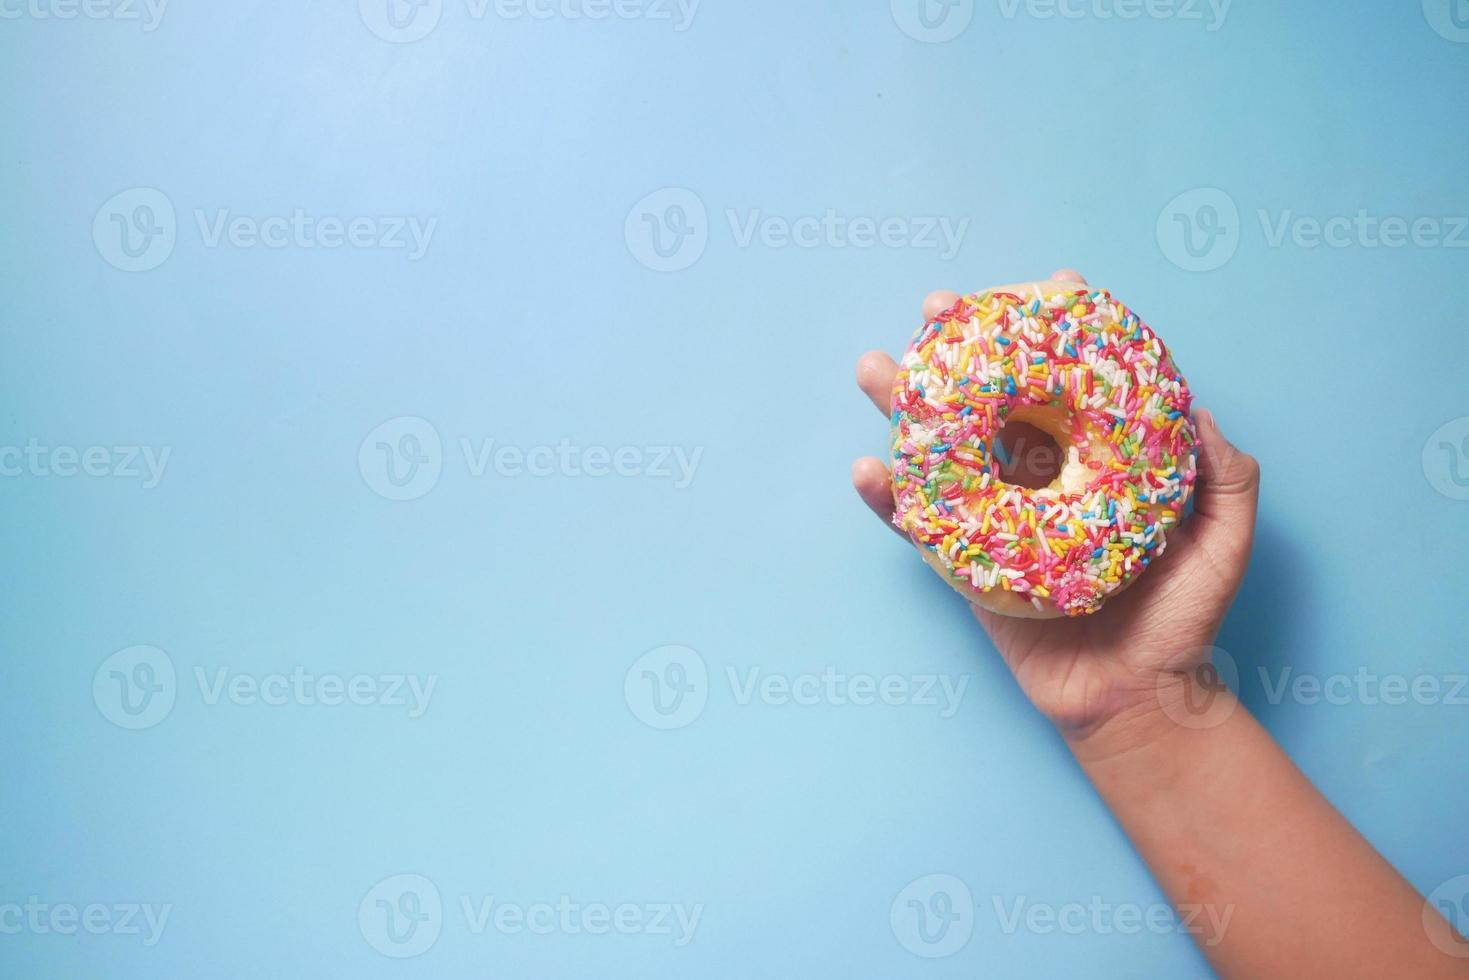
x=1229, y=479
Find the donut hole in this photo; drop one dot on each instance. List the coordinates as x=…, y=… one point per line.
x=1029, y=456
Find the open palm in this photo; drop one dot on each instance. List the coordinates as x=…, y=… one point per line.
x=1081, y=672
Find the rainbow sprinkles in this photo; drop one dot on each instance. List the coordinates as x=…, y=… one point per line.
x=1082, y=365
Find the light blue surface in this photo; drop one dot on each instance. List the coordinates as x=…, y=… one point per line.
x=529, y=601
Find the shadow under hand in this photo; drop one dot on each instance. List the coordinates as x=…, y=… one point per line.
x=1264, y=631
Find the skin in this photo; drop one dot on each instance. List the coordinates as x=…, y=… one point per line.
x=1248, y=851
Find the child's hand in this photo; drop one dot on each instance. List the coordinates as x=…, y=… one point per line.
x=1116, y=665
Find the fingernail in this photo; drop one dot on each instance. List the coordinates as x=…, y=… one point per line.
x=1205, y=419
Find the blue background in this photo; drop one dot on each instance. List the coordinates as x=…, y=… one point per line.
x=531, y=320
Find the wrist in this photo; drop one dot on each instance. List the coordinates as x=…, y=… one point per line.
x=1156, y=716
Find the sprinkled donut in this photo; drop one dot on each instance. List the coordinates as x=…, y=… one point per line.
x=1080, y=366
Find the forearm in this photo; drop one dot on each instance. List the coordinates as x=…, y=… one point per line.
x=1274, y=880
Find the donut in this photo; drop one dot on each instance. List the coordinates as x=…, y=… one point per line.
x=1080, y=366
